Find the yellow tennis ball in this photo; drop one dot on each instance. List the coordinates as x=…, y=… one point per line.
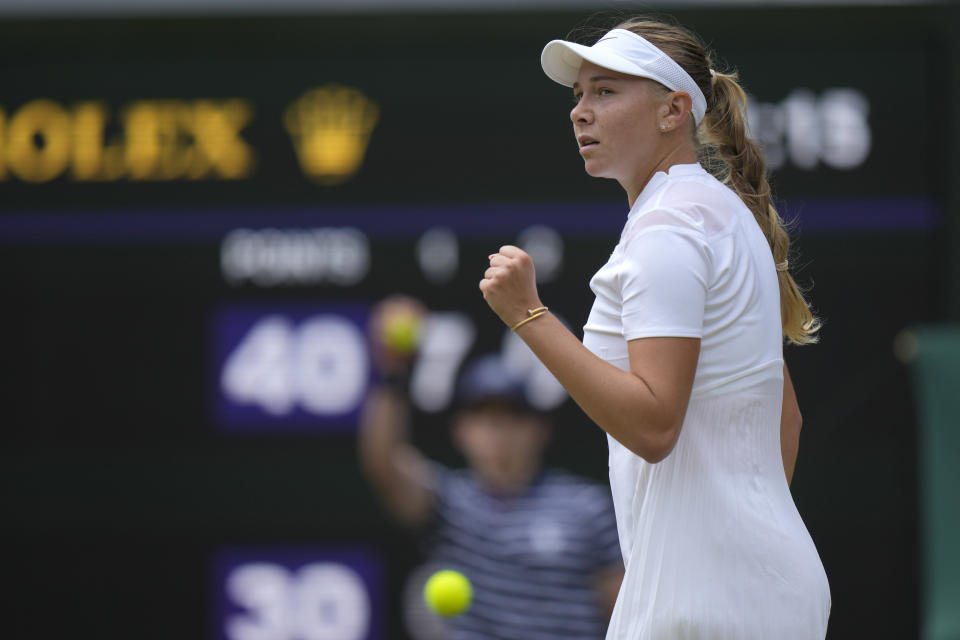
x=401, y=331
x=448, y=593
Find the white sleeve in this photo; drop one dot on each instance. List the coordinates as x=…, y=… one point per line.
x=664, y=282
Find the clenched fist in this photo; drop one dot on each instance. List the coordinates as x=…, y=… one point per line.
x=509, y=285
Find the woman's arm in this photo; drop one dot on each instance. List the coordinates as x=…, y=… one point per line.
x=790, y=423
x=643, y=408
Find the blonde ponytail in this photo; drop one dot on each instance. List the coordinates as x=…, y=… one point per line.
x=734, y=158
x=723, y=137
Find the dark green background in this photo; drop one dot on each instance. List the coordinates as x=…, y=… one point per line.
x=116, y=485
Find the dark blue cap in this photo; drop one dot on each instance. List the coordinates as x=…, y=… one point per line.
x=487, y=378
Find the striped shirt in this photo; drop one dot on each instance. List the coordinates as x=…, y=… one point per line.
x=532, y=558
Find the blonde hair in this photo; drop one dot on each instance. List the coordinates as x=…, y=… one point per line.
x=734, y=158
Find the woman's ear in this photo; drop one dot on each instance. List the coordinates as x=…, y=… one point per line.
x=677, y=108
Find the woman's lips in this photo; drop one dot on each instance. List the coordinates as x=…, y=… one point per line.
x=586, y=143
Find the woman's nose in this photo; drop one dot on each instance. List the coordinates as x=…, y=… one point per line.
x=580, y=112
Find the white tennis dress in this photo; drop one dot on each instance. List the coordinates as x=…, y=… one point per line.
x=712, y=542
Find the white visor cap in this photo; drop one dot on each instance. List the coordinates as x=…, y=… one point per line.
x=626, y=52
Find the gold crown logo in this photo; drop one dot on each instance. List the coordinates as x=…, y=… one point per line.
x=330, y=128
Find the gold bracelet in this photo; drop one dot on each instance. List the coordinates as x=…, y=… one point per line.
x=526, y=320
x=533, y=315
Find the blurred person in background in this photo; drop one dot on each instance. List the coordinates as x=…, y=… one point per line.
x=539, y=545
x=682, y=357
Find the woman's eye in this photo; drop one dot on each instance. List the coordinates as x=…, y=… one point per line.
x=576, y=97
x=604, y=92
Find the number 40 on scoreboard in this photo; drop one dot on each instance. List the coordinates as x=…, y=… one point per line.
x=309, y=367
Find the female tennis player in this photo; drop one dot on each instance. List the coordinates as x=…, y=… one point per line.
x=682, y=357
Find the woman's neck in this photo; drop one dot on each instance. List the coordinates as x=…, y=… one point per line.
x=677, y=154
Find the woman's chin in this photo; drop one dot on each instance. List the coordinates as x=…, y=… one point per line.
x=595, y=169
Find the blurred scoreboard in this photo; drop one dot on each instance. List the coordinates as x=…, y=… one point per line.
x=297, y=593
x=197, y=216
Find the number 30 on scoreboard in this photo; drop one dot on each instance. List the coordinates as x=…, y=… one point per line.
x=296, y=594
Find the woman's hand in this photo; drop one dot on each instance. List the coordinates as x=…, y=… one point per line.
x=509, y=285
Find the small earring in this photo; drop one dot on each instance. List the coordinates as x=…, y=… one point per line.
x=663, y=127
